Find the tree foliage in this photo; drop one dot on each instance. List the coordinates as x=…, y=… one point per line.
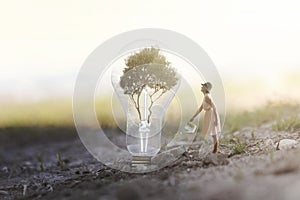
x=147, y=69
x=145, y=56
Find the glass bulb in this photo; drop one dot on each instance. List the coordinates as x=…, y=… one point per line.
x=145, y=93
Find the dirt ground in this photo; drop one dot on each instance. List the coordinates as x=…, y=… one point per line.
x=52, y=163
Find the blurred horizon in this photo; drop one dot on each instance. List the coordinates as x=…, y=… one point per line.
x=240, y=92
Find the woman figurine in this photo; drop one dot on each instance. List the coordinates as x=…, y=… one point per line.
x=211, y=121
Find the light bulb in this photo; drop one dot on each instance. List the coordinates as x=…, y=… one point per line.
x=145, y=93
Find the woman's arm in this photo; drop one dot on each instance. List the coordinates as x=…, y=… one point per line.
x=198, y=111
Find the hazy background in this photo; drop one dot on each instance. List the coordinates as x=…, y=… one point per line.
x=255, y=46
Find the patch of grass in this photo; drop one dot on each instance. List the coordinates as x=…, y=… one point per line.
x=268, y=113
x=252, y=134
x=46, y=113
x=287, y=124
x=40, y=160
x=227, y=141
x=59, y=162
x=58, y=112
x=238, y=148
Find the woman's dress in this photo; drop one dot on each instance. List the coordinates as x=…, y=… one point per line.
x=209, y=125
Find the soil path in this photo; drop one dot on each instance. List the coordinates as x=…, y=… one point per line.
x=51, y=163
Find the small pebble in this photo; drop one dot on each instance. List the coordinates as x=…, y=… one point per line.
x=4, y=169
x=286, y=144
x=27, y=163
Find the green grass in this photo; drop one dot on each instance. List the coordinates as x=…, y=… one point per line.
x=227, y=141
x=235, y=144
x=238, y=148
x=59, y=161
x=288, y=124
x=271, y=111
x=39, y=158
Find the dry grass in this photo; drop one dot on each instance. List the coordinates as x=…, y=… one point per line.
x=280, y=112
x=46, y=113
x=59, y=113
x=288, y=124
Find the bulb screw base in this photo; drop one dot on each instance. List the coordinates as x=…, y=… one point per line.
x=140, y=160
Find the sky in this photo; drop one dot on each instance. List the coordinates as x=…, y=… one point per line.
x=44, y=43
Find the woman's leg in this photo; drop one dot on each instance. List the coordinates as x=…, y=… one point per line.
x=215, y=139
x=216, y=144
